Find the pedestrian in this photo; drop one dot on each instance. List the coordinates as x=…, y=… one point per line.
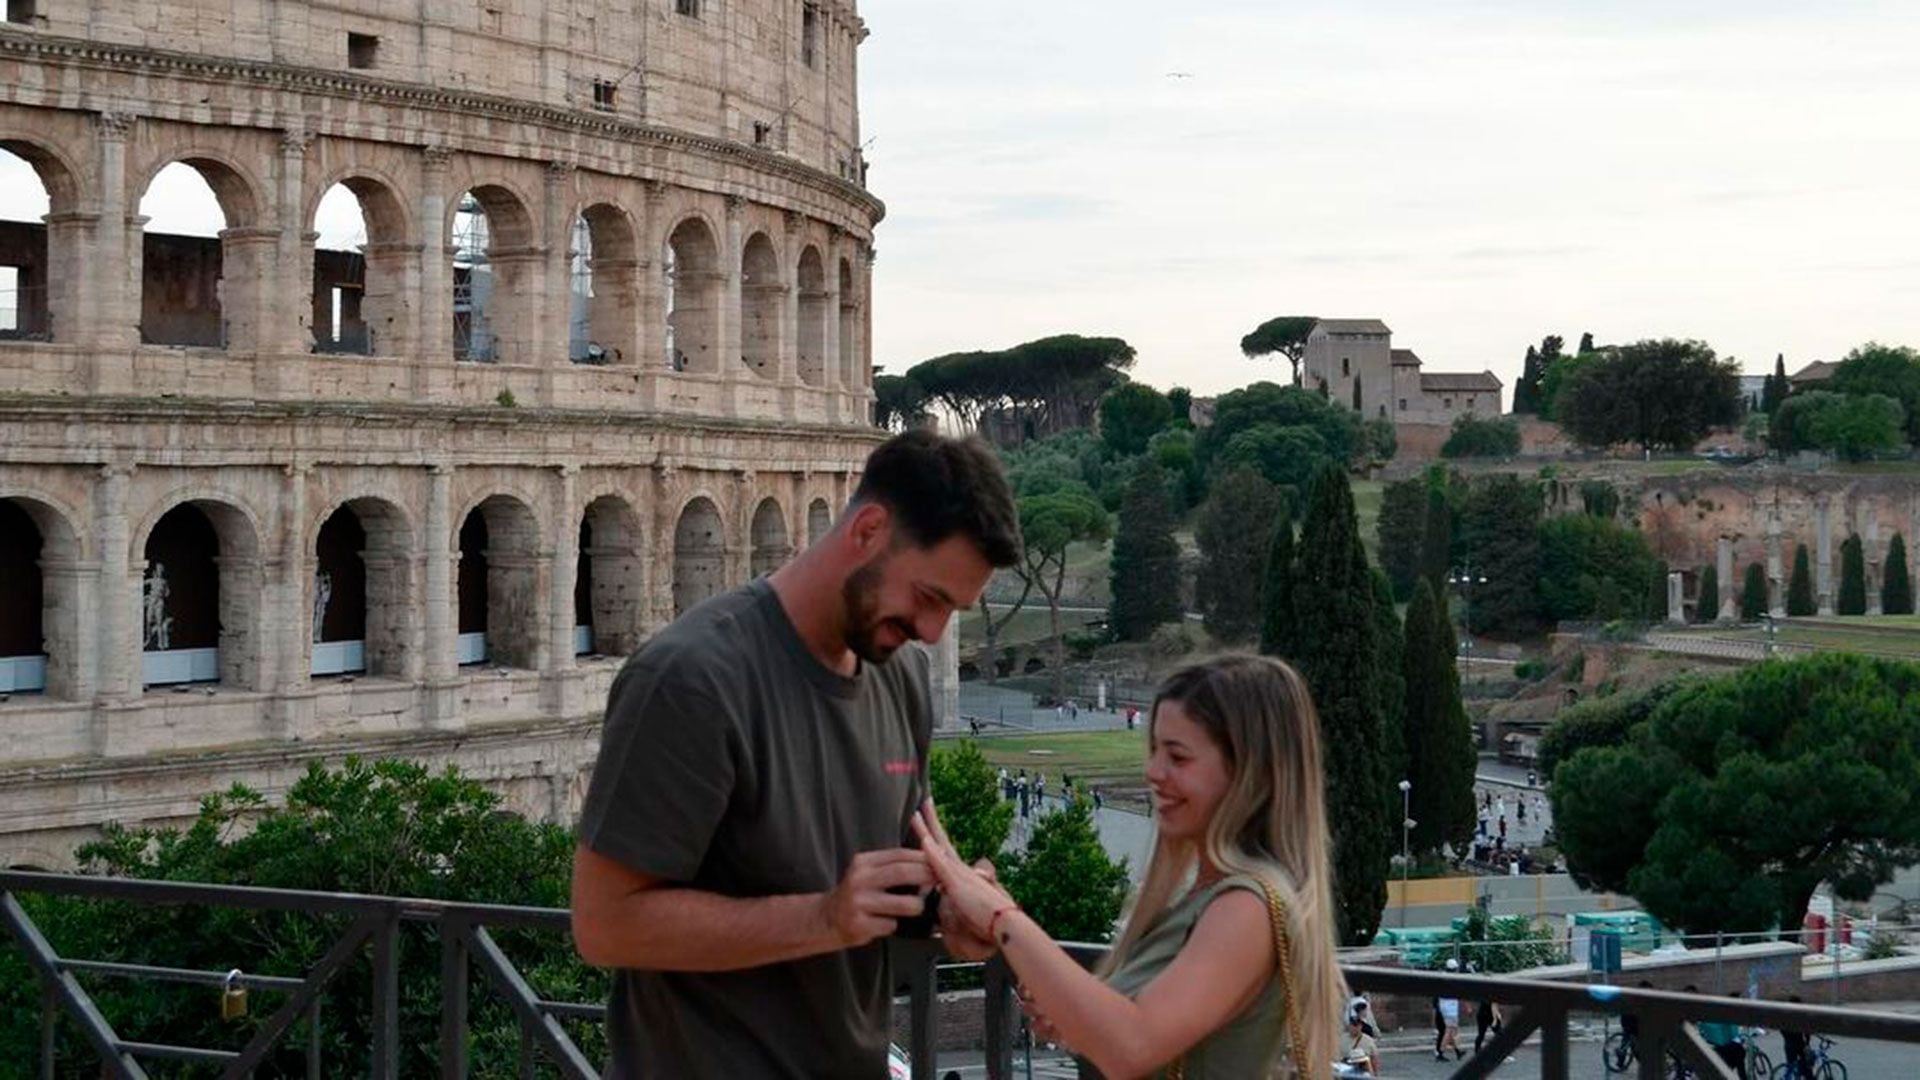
x=1797, y=1046
x=1099, y=803
x=745, y=939
x=1060, y=712
x=1359, y=1009
x=1501, y=807
x=1483, y=824
x=1133, y=715
x=1486, y=1019
x=1540, y=810
x=1361, y=1051
x=1486, y=801
x=1446, y=1012
x=1725, y=1040
x=1073, y=709
x=1533, y=778
x=1521, y=810
x=1503, y=826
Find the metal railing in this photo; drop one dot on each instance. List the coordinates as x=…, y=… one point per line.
x=375, y=925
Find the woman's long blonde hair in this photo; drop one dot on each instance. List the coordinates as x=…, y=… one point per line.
x=1271, y=824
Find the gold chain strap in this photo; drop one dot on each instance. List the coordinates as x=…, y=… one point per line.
x=1283, y=955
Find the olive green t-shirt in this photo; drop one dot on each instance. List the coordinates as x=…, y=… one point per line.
x=734, y=762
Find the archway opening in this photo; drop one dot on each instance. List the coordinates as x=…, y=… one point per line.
x=819, y=521
x=851, y=376
x=699, y=555
x=24, y=267
x=185, y=295
x=493, y=269
x=499, y=609
x=762, y=295
x=200, y=593
x=23, y=647
x=604, y=287
x=770, y=547
x=360, y=302
x=608, y=598
x=812, y=281
x=340, y=596
x=693, y=298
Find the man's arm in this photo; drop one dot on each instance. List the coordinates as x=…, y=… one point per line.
x=625, y=919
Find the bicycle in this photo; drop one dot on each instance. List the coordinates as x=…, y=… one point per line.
x=1825, y=1065
x=1620, y=1053
x=1758, y=1066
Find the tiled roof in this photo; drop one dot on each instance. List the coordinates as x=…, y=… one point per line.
x=1405, y=358
x=1818, y=371
x=1459, y=382
x=1352, y=326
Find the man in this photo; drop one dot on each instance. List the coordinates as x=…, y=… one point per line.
x=744, y=844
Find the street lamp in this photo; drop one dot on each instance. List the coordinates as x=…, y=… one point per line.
x=1465, y=579
x=1406, y=833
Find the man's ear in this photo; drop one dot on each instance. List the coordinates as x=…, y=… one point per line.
x=871, y=529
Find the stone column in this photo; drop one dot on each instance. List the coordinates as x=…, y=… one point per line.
x=553, y=298
x=837, y=383
x=118, y=652
x=1676, y=598
x=730, y=366
x=433, y=340
x=659, y=553
x=790, y=302
x=1823, y=557
x=290, y=621
x=1725, y=606
x=1776, y=582
x=110, y=320
x=652, y=283
x=562, y=684
x=437, y=544
x=945, y=684
x=287, y=333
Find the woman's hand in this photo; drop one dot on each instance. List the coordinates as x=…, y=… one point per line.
x=972, y=895
x=962, y=941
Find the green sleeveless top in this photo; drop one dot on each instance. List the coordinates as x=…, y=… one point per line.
x=1250, y=1045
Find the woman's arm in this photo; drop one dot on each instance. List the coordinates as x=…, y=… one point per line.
x=1216, y=975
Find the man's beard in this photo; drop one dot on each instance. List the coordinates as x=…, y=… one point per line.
x=859, y=599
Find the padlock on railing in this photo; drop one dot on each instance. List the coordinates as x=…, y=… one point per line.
x=233, y=997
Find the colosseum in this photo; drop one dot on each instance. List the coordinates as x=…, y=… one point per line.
x=598, y=351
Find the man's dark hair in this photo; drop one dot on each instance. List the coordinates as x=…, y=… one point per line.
x=936, y=487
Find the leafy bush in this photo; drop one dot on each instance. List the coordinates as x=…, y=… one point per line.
x=1475, y=437
x=1592, y=567
x=389, y=828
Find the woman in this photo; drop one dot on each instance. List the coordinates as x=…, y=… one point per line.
x=1234, y=766
x=1359, y=1050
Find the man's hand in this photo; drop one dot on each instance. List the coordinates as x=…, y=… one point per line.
x=860, y=909
x=961, y=941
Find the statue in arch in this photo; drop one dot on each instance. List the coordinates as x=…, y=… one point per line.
x=158, y=625
x=322, y=596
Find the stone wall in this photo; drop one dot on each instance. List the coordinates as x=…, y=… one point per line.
x=700, y=170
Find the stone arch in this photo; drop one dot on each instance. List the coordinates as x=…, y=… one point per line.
x=763, y=295
x=209, y=293
x=609, y=595
x=498, y=593
x=361, y=300
x=603, y=292
x=200, y=596
x=694, y=287
x=361, y=591
x=850, y=374
x=40, y=624
x=35, y=257
x=819, y=521
x=699, y=554
x=495, y=264
x=771, y=549
x=811, y=279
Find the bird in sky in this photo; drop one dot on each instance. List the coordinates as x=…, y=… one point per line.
x=1179, y=74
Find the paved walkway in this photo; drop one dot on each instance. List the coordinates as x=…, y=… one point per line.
x=1123, y=833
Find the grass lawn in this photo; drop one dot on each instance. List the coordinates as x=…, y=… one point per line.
x=1888, y=635
x=1102, y=757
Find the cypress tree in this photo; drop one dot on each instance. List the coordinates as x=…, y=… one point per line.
x=1800, y=586
x=1439, y=737
x=1707, y=608
x=1853, y=578
x=1146, y=558
x=1391, y=639
x=1753, y=597
x=1776, y=388
x=1896, y=588
x=1436, y=541
x=1335, y=650
x=1276, y=593
x=1526, y=391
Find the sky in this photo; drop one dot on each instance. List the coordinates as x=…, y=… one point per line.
x=1476, y=173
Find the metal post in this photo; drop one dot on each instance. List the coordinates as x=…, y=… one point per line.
x=313, y=1039
x=1406, y=855
x=386, y=996
x=49, y=1015
x=454, y=971
x=1553, y=1048
x=920, y=975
